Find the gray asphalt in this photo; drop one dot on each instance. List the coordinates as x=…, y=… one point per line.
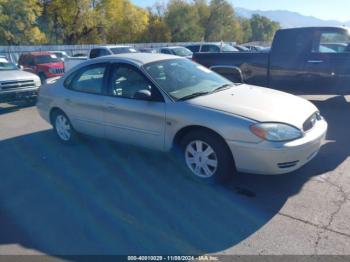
x=99, y=197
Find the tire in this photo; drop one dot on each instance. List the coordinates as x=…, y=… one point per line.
x=207, y=157
x=63, y=128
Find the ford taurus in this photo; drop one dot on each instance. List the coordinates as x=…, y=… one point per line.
x=163, y=102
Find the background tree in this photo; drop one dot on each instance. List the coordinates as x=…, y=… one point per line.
x=120, y=21
x=157, y=30
x=183, y=21
x=18, y=22
x=222, y=23
x=123, y=22
x=74, y=21
x=246, y=30
x=263, y=29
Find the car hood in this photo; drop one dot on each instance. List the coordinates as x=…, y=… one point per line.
x=8, y=75
x=260, y=104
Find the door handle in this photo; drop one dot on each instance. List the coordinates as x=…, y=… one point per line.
x=315, y=61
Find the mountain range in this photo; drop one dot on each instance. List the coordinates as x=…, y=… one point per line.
x=289, y=19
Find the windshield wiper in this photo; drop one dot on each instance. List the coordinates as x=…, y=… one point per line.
x=222, y=87
x=193, y=95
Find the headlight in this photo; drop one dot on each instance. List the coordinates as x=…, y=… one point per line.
x=276, y=132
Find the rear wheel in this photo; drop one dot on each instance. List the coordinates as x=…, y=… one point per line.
x=207, y=156
x=63, y=128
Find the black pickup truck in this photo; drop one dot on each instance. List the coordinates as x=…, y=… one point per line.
x=301, y=60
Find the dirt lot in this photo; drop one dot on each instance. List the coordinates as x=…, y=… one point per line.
x=99, y=197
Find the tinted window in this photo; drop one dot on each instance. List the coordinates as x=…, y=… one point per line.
x=126, y=80
x=193, y=48
x=165, y=51
x=210, y=49
x=182, y=51
x=292, y=42
x=121, y=50
x=331, y=42
x=103, y=52
x=95, y=53
x=88, y=79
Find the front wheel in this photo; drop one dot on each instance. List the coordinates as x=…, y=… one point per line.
x=63, y=128
x=207, y=156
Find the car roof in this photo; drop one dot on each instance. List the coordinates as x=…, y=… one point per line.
x=139, y=58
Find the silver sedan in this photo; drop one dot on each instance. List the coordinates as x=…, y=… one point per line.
x=165, y=102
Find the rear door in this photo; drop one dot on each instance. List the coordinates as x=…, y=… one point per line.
x=130, y=120
x=84, y=99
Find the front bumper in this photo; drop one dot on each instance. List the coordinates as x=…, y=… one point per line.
x=18, y=94
x=272, y=158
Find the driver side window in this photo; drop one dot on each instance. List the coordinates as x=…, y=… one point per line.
x=126, y=81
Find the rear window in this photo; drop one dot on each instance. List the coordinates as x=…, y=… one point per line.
x=292, y=42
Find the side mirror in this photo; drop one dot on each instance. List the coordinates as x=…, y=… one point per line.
x=20, y=67
x=143, y=94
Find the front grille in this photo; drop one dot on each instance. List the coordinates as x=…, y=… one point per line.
x=311, y=121
x=288, y=164
x=17, y=84
x=57, y=70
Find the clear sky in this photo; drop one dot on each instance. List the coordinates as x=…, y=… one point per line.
x=324, y=9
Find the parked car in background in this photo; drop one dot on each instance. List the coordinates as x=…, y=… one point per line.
x=254, y=48
x=337, y=47
x=79, y=55
x=98, y=52
x=211, y=48
x=165, y=102
x=16, y=84
x=110, y=50
x=60, y=54
x=44, y=64
x=176, y=50
x=147, y=50
x=301, y=60
x=241, y=48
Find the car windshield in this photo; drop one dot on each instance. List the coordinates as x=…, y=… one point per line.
x=121, y=50
x=7, y=66
x=181, y=78
x=182, y=51
x=44, y=59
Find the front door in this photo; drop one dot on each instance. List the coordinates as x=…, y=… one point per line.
x=129, y=119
